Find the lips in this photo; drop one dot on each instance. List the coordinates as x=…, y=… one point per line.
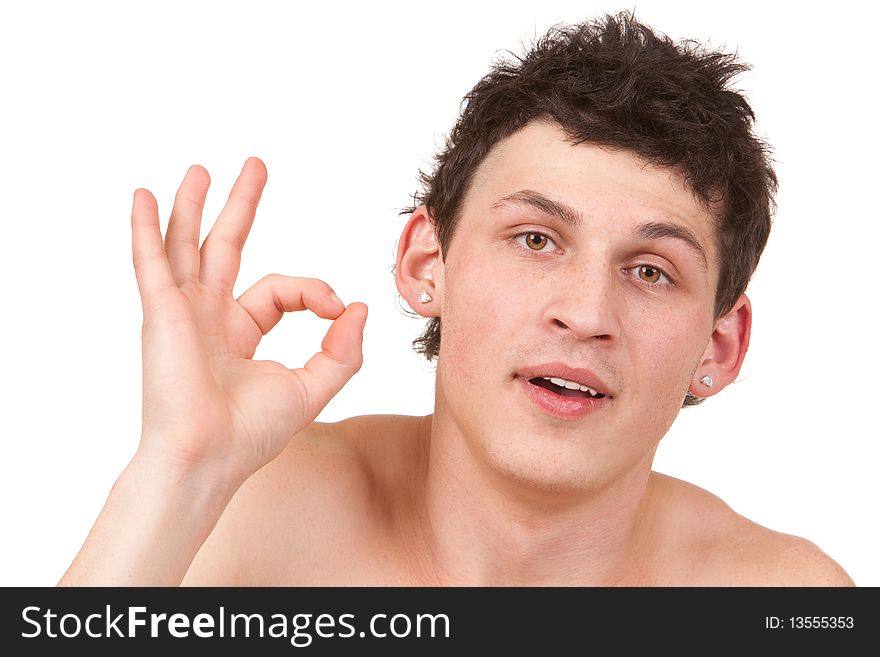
x=562, y=401
x=557, y=370
x=565, y=388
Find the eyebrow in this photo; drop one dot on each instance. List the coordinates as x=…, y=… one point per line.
x=658, y=230
x=547, y=205
x=649, y=230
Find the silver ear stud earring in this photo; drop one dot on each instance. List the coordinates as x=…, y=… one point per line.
x=707, y=381
x=424, y=297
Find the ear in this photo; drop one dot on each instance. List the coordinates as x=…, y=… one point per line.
x=726, y=350
x=419, y=269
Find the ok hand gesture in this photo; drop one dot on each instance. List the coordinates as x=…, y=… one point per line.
x=206, y=402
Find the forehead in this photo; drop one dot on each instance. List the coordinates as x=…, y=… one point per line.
x=601, y=183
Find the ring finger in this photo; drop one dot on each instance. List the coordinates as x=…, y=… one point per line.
x=182, y=237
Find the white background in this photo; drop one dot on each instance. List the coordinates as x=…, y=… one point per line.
x=344, y=104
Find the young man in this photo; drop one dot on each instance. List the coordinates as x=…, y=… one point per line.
x=586, y=240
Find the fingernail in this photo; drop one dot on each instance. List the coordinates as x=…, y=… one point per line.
x=337, y=300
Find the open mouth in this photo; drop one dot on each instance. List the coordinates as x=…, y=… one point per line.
x=565, y=388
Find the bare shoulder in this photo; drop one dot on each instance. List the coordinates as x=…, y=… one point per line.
x=321, y=490
x=723, y=548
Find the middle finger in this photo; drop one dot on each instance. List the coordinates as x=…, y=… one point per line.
x=221, y=251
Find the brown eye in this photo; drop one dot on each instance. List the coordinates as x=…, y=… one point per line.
x=649, y=274
x=536, y=241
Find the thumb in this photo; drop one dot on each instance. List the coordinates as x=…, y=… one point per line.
x=340, y=357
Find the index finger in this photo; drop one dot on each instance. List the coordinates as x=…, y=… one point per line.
x=151, y=265
x=273, y=295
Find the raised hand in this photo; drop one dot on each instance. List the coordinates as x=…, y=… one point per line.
x=206, y=403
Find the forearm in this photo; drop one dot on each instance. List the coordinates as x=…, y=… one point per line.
x=153, y=523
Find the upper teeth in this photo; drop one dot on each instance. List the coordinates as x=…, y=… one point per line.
x=571, y=385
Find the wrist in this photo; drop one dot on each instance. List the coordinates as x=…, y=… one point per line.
x=158, y=514
x=202, y=481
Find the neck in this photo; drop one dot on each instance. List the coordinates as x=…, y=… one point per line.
x=479, y=527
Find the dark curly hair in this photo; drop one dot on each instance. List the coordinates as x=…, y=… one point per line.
x=615, y=82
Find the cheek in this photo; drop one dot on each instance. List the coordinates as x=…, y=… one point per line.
x=667, y=357
x=667, y=337
x=479, y=305
x=470, y=302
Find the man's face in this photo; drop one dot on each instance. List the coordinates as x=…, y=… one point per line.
x=577, y=263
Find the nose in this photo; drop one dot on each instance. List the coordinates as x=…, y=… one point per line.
x=584, y=306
